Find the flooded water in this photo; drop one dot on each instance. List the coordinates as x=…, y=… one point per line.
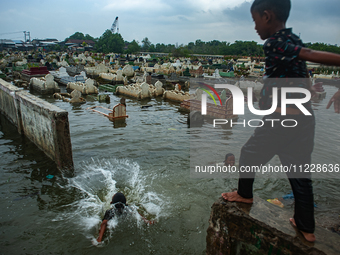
x=147, y=159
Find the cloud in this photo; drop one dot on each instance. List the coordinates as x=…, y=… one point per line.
x=181, y=21
x=215, y=5
x=139, y=6
x=315, y=10
x=239, y=14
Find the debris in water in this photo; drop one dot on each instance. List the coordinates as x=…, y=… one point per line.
x=146, y=106
x=275, y=201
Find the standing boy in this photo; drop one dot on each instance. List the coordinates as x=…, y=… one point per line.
x=285, y=58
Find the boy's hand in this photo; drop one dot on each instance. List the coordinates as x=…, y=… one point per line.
x=151, y=222
x=313, y=92
x=96, y=242
x=336, y=100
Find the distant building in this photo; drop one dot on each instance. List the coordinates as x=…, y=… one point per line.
x=21, y=45
x=7, y=44
x=15, y=45
x=79, y=43
x=44, y=42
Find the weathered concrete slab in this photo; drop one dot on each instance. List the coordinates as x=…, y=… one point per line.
x=7, y=103
x=44, y=91
x=47, y=126
x=261, y=228
x=44, y=124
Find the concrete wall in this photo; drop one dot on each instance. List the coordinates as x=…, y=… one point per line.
x=261, y=228
x=43, y=123
x=8, y=105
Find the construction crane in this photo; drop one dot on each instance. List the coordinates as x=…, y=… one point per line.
x=114, y=26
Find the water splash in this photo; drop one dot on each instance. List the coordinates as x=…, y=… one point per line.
x=95, y=183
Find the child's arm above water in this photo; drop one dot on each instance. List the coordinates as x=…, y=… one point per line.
x=321, y=57
x=102, y=230
x=150, y=222
x=336, y=100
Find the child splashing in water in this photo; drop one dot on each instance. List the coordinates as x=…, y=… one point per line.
x=285, y=57
x=119, y=206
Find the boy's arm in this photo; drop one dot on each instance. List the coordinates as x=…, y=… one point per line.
x=150, y=222
x=102, y=230
x=321, y=57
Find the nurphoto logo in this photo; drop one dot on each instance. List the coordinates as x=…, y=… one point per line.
x=238, y=104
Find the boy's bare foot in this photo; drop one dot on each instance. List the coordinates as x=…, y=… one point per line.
x=308, y=236
x=235, y=197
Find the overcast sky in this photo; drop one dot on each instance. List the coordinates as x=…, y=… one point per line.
x=162, y=21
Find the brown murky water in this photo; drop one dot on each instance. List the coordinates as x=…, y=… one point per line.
x=148, y=159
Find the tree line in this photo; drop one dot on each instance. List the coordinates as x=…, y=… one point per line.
x=114, y=42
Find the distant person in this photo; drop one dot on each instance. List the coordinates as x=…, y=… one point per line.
x=336, y=100
x=48, y=66
x=119, y=206
x=122, y=101
x=310, y=73
x=285, y=58
x=229, y=160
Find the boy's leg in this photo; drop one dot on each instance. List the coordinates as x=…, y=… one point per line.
x=259, y=149
x=304, y=204
x=299, y=153
x=301, y=184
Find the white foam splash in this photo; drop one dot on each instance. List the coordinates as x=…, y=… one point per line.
x=98, y=180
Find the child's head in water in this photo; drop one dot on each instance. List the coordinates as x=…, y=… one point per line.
x=229, y=160
x=119, y=201
x=270, y=16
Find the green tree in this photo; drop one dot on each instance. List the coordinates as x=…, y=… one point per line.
x=76, y=36
x=160, y=47
x=146, y=44
x=323, y=47
x=191, y=46
x=152, y=48
x=133, y=47
x=88, y=37
x=110, y=42
x=180, y=52
x=80, y=36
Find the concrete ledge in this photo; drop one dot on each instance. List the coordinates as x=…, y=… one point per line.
x=43, y=123
x=261, y=228
x=8, y=105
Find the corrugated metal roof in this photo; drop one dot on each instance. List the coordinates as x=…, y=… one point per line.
x=18, y=41
x=47, y=43
x=6, y=41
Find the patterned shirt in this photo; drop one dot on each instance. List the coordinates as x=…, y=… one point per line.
x=282, y=50
x=109, y=214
